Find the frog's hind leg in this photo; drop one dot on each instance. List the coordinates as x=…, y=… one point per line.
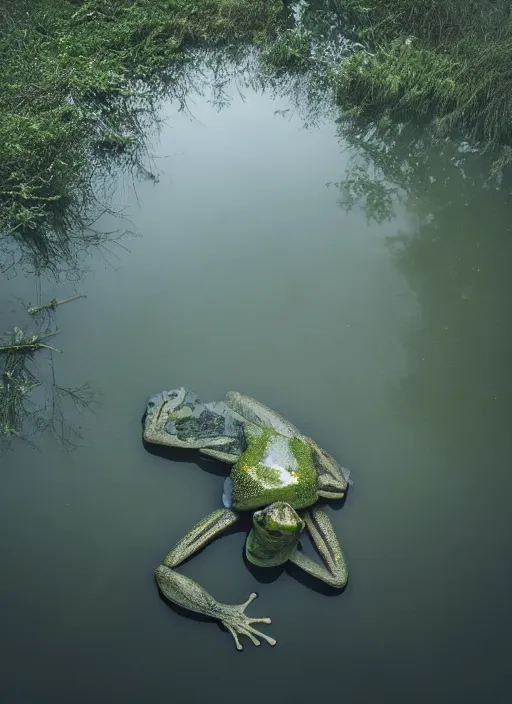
x=334, y=570
x=178, y=418
x=188, y=594
x=204, y=532
x=255, y=412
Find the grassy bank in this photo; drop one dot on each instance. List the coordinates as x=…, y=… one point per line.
x=69, y=69
x=78, y=77
x=445, y=63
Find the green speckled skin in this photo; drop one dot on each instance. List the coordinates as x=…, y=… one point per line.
x=274, y=468
x=274, y=536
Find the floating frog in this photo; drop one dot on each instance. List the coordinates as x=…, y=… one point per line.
x=277, y=473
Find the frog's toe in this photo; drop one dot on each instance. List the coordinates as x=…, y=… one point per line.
x=245, y=629
x=238, y=645
x=248, y=633
x=251, y=632
x=251, y=598
x=238, y=623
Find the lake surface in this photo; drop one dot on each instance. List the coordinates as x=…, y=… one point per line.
x=389, y=344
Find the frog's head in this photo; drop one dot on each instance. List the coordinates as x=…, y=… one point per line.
x=178, y=418
x=278, y=523
x=275, y=534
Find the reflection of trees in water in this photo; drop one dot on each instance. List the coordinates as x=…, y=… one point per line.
x=117, y=132
x=401, y=164
x=32, y=402
x=120, y=134
x=65, y=231
x=455, y=254
x=217, y=72
x=457, y=265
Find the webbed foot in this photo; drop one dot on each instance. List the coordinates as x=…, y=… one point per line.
x=237, y=623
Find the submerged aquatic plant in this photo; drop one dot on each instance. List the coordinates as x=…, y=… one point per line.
x=30, y=403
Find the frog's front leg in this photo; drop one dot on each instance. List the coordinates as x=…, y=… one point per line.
x=186, y=593
x=258, y=414
x=333, y=480
x=227, y=457
x=334, y=570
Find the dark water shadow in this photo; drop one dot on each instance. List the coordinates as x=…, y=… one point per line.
x=335, y=504
x=176, y=454
x=310, y=582
x=263, y=575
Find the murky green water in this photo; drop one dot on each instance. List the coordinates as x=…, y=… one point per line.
x=389, y=344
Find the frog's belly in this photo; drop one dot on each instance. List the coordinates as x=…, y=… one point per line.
x=285, y=472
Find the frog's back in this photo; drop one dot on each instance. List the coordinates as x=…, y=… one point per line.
x=273, y=468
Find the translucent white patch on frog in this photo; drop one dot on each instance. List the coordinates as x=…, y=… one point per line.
x=227, y=493
x=183, y=412
x=346, y=476
x=281, y=458
x=156, y=402
x=170, y=428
